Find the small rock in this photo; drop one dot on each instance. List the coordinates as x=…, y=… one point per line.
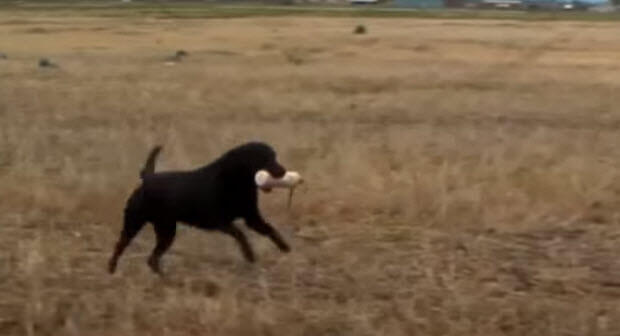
x=178, y=56
x=46, y=63
x=360, y=29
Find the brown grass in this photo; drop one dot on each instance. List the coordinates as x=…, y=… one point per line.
x=463, y=175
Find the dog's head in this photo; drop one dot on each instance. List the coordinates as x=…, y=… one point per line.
x=254, y=156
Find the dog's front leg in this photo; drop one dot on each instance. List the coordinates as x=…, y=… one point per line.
x=256, y=222
x=242, y=240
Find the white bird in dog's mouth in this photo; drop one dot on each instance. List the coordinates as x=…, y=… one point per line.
x=290, y=180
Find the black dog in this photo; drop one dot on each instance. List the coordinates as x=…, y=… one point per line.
x=210, y=198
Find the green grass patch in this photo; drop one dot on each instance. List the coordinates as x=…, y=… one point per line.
x=238, y=10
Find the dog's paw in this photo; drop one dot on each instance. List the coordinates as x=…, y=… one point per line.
x=250, y=258
x=111, y=266
x=154, y=265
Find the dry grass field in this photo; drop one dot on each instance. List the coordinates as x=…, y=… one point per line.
x=463, y=176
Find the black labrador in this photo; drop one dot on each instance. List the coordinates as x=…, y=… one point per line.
x=210, y=197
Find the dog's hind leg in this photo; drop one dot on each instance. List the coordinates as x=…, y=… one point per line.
x=132, y=225
x=242, y=240
x=165, y=233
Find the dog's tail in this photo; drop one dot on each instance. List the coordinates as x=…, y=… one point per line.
x=149, y=166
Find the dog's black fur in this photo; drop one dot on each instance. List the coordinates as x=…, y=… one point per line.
x=210, y=197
